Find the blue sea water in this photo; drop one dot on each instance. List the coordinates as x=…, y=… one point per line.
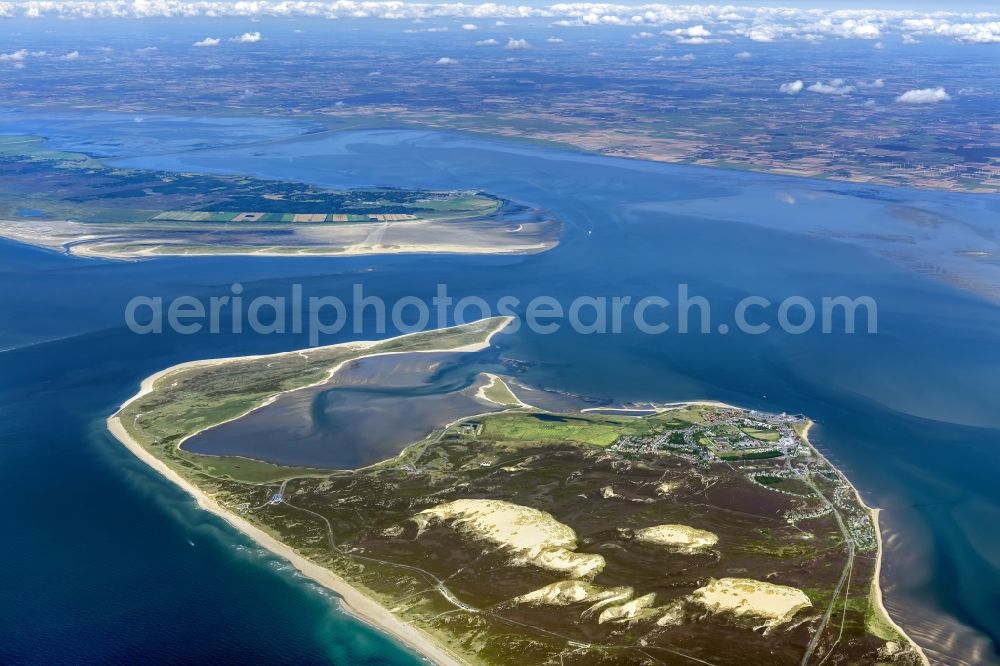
x=99, y=563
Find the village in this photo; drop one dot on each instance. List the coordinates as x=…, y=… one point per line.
x=772, y=455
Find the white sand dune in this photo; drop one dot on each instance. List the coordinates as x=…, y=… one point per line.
x=630, y=610
x=533, y=537
x=568, y=592
x=774, y=604
x=678, y=537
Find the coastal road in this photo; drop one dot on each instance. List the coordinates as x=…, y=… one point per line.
x=845, y=578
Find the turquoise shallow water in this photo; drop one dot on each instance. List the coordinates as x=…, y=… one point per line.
x=103, y=567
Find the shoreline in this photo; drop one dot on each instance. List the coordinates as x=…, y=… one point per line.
x=89, y=246
x=875, y=593
x=353, y=601
x=362, y=251
x=147, y=384
x=876, y=585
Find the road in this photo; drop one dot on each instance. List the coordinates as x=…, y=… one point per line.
x=845, y=577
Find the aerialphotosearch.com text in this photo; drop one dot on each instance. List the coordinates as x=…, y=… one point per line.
x=365, y=314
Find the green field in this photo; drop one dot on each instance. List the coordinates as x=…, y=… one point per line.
x=765, y=435
x=543, y=427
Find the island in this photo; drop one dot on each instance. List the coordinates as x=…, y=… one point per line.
x=627, y=534
x=76, y=203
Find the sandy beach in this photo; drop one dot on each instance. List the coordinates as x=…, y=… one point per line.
x=423, y=237
x=353, y=601
x=165, y=250
x=876, y=590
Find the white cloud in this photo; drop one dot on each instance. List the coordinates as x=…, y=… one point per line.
x=687, y=57
x=764, y=33
x=208, y=41
x=743, y=55
x=72, y=55
x=470, y=26
x=643, y=35
x=693, y=31
x=877, y=83
x=987, y=32
x=696, y=34
x=247, y=38
x=792, y=88
x=487, y=42
x=555, y=40
x=834, y=87
x=517, y=44
x=446, y=61
x=15, y=56
x=910, y=39
x=924, y=96
x=857, y=29
x=760, y=23
x=697, y=40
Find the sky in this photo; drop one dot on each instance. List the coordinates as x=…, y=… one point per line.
x=758, y=20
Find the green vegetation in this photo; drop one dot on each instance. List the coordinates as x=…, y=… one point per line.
x=193, y=398
x=497, y=391
x=246, y=469
x=779, y=550
x=33, y=149
x=602, y=476
x=67, y=185
x=762, y=434
x=73, y=202
x=544, y=427
x=876, y=621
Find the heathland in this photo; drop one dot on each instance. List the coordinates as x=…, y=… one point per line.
x=695, y=531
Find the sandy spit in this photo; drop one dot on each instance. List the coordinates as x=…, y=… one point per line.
x=353, y=601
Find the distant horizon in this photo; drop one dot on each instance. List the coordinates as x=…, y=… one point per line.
x=42, y=9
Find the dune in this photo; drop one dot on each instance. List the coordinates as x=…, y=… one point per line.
x=533, y=537
x=630, y=610
x=568, y=592
x=775, y=604
x=678, y=537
